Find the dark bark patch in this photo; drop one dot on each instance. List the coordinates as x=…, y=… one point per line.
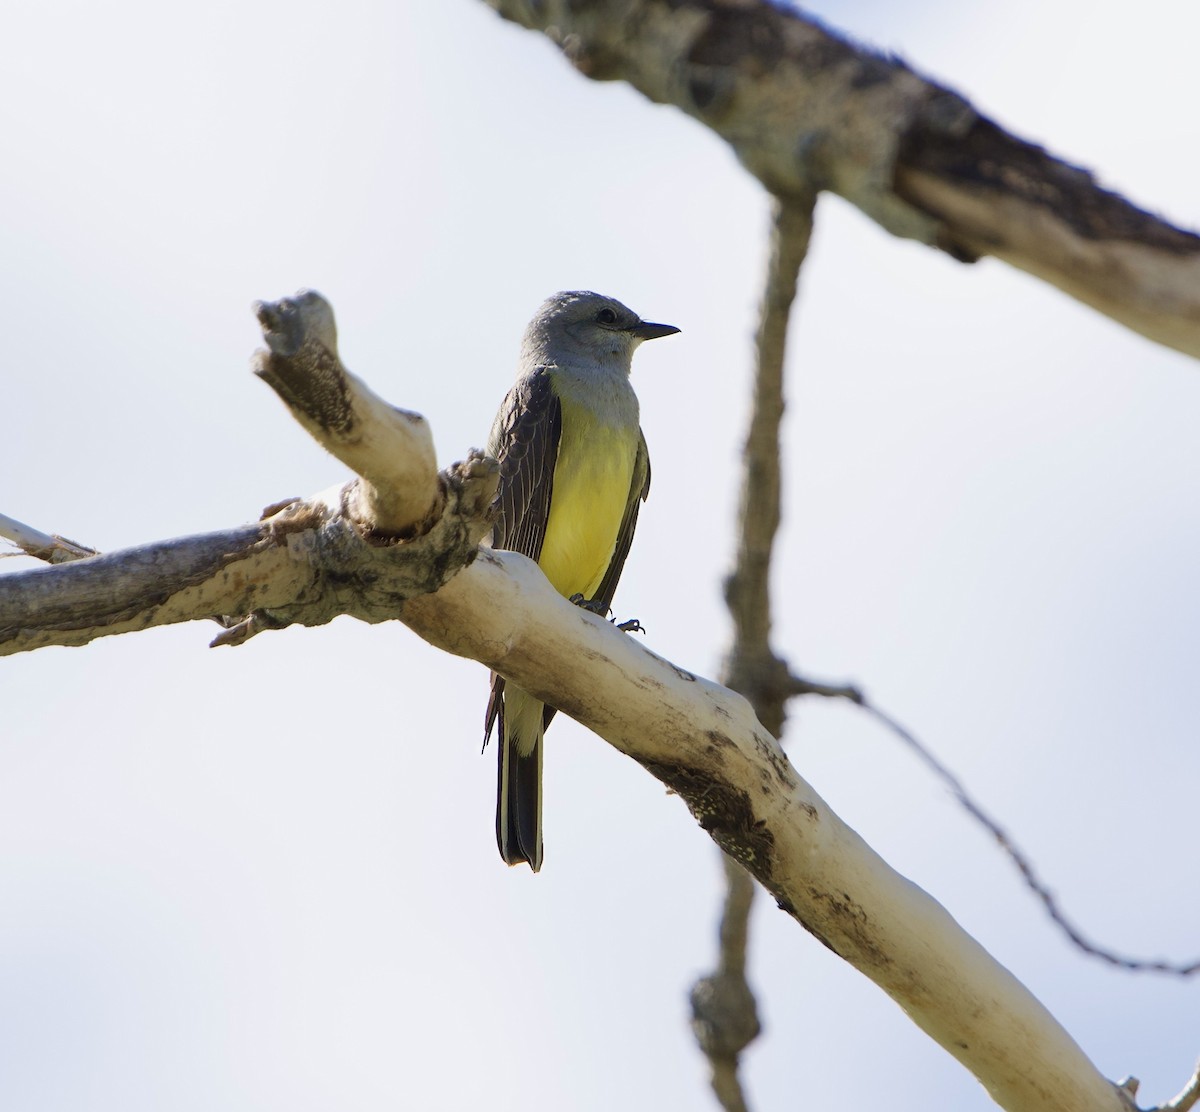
x=734, y=37
x=845, y=920
x=774, y=756
x=724, y=812
x=313, y=384
x=984, y=157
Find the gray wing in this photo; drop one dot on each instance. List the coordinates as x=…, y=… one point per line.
x=639, y=490
x=524, y=441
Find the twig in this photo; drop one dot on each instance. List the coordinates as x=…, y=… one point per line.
x=41, y=546
x=798, y=685
x=1017, y=856
x=1187, y=1098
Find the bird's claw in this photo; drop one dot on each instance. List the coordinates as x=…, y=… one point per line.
x=591, y=605
x=631, y=626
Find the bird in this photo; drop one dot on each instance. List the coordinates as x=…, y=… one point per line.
x=574, y=470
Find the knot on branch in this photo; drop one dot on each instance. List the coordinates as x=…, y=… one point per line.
x=361, y=570
x=356, y=573
x=724, y=1015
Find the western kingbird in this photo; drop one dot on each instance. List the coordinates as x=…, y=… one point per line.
x=573, y=470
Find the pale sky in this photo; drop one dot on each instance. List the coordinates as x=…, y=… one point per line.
x=266, y=878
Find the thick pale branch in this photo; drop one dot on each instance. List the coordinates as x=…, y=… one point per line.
x=802, y=106
x=704, y=742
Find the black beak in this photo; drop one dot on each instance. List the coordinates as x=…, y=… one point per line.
x=646, y=330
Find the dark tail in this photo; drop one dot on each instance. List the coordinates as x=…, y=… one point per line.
x=519, y=806
x=519, y=782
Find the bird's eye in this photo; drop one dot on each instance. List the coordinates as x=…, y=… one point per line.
x=606, y=316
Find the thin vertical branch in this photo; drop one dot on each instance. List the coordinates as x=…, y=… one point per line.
x=751, y=667
x=724, y=1015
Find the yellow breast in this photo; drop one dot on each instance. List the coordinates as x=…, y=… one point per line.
x=592, y=478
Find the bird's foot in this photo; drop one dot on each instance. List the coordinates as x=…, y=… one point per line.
x=591, y=605
x=631, y=626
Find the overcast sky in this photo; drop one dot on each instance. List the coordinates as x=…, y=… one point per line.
x=266, y=878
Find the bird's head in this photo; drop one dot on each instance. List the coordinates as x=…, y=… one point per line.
x=580, y=325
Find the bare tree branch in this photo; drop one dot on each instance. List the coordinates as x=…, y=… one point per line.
x=305, y=566
x=751, y=667
x=802, y=106
x=704, y=743
x=307, y=562
x=699, y=739
x=157, y=584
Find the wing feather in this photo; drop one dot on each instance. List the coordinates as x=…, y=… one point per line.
x=524, y=441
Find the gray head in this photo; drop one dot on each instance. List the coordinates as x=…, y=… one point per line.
x=580, y=325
